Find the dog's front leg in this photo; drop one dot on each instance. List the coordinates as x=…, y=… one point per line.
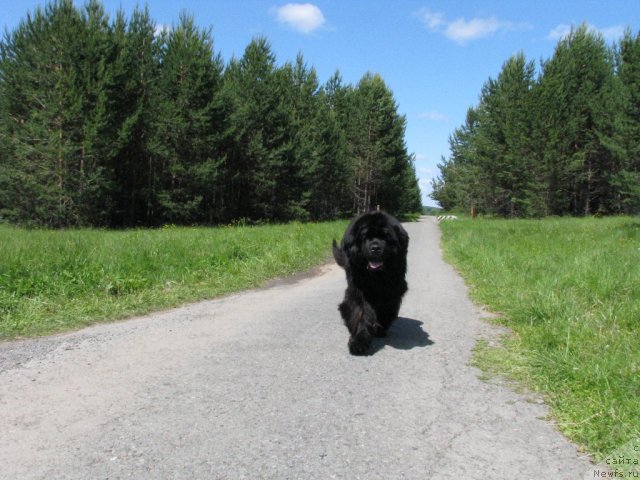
x=360, y=318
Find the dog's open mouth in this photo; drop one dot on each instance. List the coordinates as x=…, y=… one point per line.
x=375, y=265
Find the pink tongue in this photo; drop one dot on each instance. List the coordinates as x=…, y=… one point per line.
x=375, y=265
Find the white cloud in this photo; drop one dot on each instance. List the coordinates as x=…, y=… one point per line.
x=431, y=19
x=613, y=33
x=301, y=17
x=425, y=184
x=559, y=32
x=425, y=189
x=462, y=30
x=610, y=34
x=434, y=115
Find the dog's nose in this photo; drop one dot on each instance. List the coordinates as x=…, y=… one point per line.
x=375, y=248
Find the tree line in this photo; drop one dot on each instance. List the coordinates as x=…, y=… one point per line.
x=564, y=142
x=111, y=122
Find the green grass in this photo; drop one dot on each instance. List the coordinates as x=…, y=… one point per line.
x=569, y=290
x=51, y=281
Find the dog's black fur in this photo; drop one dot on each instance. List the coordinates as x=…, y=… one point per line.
x=373, y=253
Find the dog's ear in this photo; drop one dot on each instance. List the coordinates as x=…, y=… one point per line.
x=403, y=237
x=349, y=247
x=338, y=254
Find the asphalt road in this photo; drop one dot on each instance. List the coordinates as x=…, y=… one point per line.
x=260, y=385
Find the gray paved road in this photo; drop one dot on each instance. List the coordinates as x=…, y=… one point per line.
x=260, y=385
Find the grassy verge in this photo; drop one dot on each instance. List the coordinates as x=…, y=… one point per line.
x=51, y=281
x=569, y=290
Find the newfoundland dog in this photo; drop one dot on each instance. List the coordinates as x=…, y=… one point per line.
x=373, y=253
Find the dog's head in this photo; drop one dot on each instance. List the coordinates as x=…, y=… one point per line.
x=373, y=241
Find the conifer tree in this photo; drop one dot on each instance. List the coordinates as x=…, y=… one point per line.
x=375, y=134
x=627, y=180
x=115, y=123
x=185, y=129
x=459, y=185
x=564, y=144
x=54, y=107
x=260, y=158
x=135, y=169
x=327, y=177
x=577, y=94
x=502, y=142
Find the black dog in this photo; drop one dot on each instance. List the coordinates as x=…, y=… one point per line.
x=373, y=253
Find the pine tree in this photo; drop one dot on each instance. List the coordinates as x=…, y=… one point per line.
x=410, y=197
x=375, y=135
x=187, y=124
x=626, y=181
x=135, y=168
x=577, y=95
x=460, y=184
x=566, y=144
x=327, y=178
x=334, y=122
x=260, y=157
x=55, y=113
x=297, y=86
x=502, y=142
x=114, y=123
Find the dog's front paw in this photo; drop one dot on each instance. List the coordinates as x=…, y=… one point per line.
x=356, y=347
x=360, y=343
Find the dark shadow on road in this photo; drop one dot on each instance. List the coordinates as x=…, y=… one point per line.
x=404, y=334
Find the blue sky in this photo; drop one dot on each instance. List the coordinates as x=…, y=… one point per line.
x=434, y=55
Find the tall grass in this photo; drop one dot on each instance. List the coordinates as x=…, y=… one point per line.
x=569, y=289
x=52, y=281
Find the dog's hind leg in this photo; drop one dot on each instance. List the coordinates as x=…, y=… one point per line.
x=387, y=313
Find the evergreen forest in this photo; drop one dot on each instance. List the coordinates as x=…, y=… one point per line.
x=110, y=122
x=563, y=141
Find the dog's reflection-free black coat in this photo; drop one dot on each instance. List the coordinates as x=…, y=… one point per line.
x=373, y=253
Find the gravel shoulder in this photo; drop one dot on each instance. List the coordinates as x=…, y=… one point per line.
x=260, y=385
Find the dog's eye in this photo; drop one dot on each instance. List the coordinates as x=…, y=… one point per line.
x=391, y=236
